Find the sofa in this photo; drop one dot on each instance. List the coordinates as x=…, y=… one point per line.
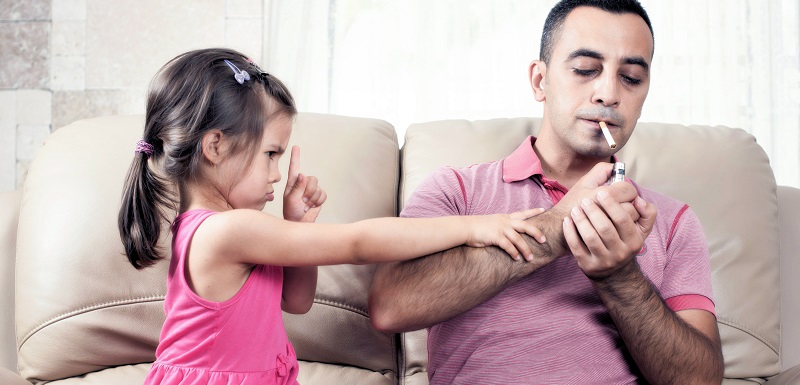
x=76, y=312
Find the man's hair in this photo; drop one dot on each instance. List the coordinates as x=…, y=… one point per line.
x=555, y=19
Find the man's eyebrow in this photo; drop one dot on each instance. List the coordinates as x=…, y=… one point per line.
x=637, y=60
x=584, y=52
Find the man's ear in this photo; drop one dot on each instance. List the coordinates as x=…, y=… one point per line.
x=536, y=74
x=212, y=146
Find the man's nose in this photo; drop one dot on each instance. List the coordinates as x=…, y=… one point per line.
x=606, y=90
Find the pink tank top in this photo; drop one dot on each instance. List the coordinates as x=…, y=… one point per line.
x=238, y=341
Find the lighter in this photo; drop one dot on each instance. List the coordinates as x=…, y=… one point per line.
x=618, y=173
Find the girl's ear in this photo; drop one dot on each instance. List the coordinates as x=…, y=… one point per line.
x=536, y=74
x=212, y=146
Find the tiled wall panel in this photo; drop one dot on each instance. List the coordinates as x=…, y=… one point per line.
x=65, y=60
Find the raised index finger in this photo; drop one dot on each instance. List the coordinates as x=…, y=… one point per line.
x=294, y=166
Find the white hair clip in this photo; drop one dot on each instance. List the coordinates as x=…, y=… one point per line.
x=240, y=75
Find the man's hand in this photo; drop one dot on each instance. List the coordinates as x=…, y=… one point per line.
x=589, y=186
x=602, y=235
x=302, y=198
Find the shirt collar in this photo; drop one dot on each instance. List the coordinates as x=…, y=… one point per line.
x=523, y=163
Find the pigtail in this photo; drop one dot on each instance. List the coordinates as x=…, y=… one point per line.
x=192, y=94
x=144, y=197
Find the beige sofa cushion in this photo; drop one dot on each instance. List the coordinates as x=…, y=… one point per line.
x=81, y=307
x=722, y=173
x=75, y=290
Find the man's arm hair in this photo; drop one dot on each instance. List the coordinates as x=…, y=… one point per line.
x=667, y=349
x=418, y=293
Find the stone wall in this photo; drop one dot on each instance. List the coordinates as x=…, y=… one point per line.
x=64, y=60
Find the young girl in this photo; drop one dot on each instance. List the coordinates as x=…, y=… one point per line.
x=215, y=128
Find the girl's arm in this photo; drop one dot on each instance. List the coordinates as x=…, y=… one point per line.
x=302, y=200
x=250, y=236
x=299, y=287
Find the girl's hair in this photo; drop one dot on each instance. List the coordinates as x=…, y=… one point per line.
x=193, y=93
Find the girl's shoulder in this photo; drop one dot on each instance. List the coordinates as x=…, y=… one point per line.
x=228, y=231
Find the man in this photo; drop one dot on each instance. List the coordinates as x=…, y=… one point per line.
x=616, y=294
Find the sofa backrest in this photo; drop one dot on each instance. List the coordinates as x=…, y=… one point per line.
x=82, y=308
x=722, y=173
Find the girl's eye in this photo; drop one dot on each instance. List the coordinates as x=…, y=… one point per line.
x=270, y=154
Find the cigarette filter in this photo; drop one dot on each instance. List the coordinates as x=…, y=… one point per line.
x=607, y=134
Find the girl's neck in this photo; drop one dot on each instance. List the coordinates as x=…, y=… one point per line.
x=196, y=196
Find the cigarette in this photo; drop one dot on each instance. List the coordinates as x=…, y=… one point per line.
x=607, y=134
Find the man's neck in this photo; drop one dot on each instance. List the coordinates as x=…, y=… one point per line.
x=560, y=162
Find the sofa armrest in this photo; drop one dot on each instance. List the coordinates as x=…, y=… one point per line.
x=789, y=216
x=787, y=377
x=9, y=218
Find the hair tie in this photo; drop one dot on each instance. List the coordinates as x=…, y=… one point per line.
x=142, y=146
x=241, y=76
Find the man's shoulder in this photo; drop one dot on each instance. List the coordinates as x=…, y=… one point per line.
x=455, y=187
x=478, y=171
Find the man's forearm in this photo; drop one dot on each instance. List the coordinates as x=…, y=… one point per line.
x=666, y=349
x=415, y=294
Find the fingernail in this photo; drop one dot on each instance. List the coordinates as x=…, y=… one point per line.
x=529, y=257
x=576, y=211
x=542, y=240
x=305, y=200
x=602, y=195
x=585, y=202
x=305, y=209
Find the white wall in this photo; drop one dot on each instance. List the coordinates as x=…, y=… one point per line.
x=718, y=62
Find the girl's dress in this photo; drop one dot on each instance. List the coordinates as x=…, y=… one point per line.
x=238, y=341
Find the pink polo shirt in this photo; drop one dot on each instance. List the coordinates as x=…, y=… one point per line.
x=551, y=327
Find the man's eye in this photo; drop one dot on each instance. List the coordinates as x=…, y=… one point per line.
x=631, y=81
x=581, y=72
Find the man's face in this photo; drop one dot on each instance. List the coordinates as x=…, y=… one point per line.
x=598, y=71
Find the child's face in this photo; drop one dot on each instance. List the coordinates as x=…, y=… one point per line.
x=255, y=189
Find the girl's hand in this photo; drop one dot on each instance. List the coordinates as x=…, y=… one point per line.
x=503, y=230
x=302, y=198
